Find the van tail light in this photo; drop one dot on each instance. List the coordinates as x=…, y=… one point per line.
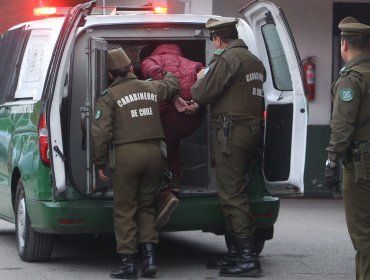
x=44, y=140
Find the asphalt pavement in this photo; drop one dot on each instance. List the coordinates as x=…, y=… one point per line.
x=310, y=242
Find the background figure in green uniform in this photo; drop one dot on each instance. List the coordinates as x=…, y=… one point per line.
x=127, y=123
x=350, y=138
x=232, y=84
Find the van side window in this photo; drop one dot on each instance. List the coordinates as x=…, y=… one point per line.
x=34, y=65
x=279, y=65
x=11, y=50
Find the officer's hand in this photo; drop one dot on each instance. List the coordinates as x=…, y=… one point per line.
x=180, y=104
x=102, y=176
x=331, y=175
x=200, y=74
x=193, y=108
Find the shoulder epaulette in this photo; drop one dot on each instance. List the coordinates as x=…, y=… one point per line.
x=104, y=92
x=219, y=51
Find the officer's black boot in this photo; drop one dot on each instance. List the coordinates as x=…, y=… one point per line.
x=247, y=264
x=127, y=270
x=149, y=260
x=230, y=258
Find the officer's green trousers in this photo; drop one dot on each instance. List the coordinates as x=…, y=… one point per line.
x=356, y=198
x=231, y=184
x=136, y=179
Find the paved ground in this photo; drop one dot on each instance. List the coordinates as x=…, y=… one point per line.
x=311, y=243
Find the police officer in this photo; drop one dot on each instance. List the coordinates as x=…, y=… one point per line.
x=350, y=138
x=232, y=84
x=127, y=121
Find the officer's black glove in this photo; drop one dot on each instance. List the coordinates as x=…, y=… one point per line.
x=331, y=175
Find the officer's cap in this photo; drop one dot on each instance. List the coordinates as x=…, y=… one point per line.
x=221, y=24
x=117, y=59
x=351, y=26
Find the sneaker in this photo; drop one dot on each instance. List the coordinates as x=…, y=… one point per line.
x=166, y=204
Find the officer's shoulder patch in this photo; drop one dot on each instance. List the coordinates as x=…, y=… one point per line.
x=104, y=92
x=98, y=114
x=346, y=94
x=219, y=51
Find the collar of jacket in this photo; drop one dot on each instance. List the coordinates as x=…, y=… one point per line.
x=365, y=57
x=119, y=79
x=238, y=43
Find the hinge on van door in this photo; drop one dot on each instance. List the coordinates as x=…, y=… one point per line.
x=85, y=114
x=269, y=18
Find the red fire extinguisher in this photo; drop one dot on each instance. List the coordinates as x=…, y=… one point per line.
x=309, y=77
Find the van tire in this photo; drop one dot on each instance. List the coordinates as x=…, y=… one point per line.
x=32, y=246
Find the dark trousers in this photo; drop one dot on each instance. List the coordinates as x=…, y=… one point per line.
x=356, y=198
x=230, y=172
x=177, y=126
x=136, y=179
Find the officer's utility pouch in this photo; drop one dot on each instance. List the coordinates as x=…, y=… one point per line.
x=255, y=128
x=226, y=139
x=112, y=157
x=163, y=147
x=359, y=163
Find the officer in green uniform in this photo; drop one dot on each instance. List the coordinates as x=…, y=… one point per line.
x=232, y=84
x=127, y=122
x=350, y=138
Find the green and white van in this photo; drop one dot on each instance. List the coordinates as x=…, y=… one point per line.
x=52, y=71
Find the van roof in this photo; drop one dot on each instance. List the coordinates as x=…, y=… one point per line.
x=148, y=18
x=94, y=20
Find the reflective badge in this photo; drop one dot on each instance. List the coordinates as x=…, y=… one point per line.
x=346, y=94
x=97, y=114
x=206, y=70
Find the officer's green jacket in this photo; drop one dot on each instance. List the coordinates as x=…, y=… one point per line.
x=232, y=82
x=351, y=106
x=128, y=112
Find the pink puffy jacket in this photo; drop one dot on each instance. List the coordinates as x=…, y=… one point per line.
x=168, y=57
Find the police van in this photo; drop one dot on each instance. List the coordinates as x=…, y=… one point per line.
x=53, y=70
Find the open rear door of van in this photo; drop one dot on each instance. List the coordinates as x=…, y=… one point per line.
x=54, y=88
x=285, y=101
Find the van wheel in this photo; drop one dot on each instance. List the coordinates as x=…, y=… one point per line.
x=258, y=246
x=32, y=246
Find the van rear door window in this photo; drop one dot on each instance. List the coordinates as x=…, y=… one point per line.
x=278, y=62
x=11, y=49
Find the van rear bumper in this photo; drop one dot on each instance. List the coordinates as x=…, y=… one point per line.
x=95, y=216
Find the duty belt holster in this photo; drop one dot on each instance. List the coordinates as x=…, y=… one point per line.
x=358, y=151
x=112, y=157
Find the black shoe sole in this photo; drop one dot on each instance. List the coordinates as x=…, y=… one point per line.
x=150, y=272
x=253, y=273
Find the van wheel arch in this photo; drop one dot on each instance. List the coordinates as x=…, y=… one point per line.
x=32, y=246
x=15, y=178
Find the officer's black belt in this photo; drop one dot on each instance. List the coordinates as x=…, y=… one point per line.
x=244, y=120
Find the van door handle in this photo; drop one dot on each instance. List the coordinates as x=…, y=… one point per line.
x=59, y=152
